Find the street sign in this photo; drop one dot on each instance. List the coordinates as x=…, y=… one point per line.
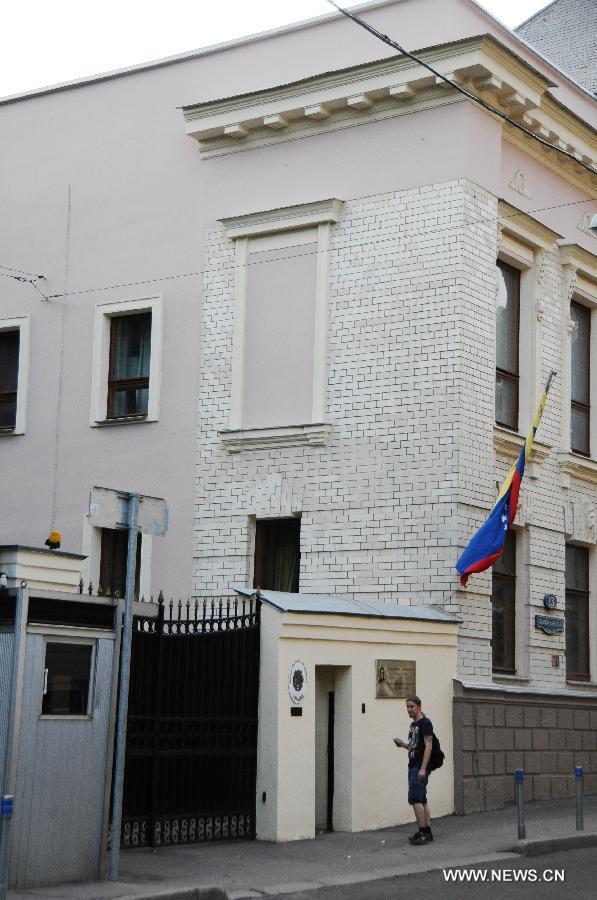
x=110, y=509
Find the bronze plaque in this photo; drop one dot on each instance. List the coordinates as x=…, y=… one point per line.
x=395, y=679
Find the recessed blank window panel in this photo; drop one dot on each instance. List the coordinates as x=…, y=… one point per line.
x=279, y=336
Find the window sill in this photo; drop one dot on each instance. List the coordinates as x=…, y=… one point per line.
x=10, y=432
x=48, y=717
x=573, y=465
x=522, y=679
x=316, y=435
x=581, y=683
x=125, y=420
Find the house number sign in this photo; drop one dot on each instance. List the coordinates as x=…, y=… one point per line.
x=550, y=601
x=297, y=681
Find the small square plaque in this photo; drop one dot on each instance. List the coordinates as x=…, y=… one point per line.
x=395, y=679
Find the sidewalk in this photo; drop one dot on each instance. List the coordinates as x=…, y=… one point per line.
x=248, y=869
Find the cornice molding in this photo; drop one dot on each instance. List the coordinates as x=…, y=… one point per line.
x=396, y=86
x=287, y=218
x=368, y=92
x=579, y=467
x=509, y=443
x=584, y=264
x=316, y=435
x=522, y=227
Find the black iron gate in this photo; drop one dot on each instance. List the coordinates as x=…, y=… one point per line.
x=191, y=751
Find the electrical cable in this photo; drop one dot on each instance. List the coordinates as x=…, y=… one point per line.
x=476, y=99
x=176, y=275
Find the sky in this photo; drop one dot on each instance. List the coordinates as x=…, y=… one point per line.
x=44, y=42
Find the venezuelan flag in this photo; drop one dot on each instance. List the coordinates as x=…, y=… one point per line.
x=487, y=544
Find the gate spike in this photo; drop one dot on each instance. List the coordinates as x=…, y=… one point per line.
x=179, y=609
x=81, y=585
x=161, y=598
x=171, y=605
x=90, y=589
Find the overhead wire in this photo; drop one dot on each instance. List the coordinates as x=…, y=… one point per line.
x=462, y=90
x=406, y=233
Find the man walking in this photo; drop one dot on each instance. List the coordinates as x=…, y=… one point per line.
x=419, y=744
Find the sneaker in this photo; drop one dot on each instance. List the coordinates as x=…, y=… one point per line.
x=420, y=838
x=413, y=836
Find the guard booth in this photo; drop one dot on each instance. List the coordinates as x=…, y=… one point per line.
x=58, y=659
x=334, y=675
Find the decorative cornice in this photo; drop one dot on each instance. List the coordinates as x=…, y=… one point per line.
x=524, y=228
x=579, y=467
x=584, y=224
x=508, y=443
x=316, y=435
x=579, y=264
x=287, y=218
x=364, y=93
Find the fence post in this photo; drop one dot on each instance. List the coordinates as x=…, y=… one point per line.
x=157, y=709
x=578, y=775
x=519, y=776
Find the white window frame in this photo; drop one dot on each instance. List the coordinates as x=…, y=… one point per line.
x=579, y=284
x=92, y=549
x=273, y=230
x=526, y=245
x=20, y=324
x=104, y=313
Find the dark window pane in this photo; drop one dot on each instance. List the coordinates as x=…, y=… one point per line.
x=277, y=554
x=577, y=568
x=580, y=368
x=507, y=327
x=130, y=354
x=579, y=430
x=506, y=564
x=577, y=636
x=503, y=608
x=131, y=336
x=507, y=318
x=113, y=562
x=577, y=612
x=580, y=352
x=506, y=401
x=9, y=377
x=68, y=668
x=129, y=402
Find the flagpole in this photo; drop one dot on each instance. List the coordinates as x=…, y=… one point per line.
x=552, y=375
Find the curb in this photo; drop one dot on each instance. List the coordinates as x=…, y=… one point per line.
x=209, y=893
x=552, y=845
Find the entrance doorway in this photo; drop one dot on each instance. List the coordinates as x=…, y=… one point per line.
x=333, y=735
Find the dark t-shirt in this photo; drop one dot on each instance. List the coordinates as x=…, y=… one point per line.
x=416, y=741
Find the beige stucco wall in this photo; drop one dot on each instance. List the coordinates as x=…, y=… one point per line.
x=41, y=569
x=370, y=773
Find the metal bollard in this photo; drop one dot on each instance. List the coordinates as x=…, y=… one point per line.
x=519, y=776
x=578, y=775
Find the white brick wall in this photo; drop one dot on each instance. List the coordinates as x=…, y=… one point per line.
x=410, y=469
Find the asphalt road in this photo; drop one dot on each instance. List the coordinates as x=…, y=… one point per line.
x=579, y=868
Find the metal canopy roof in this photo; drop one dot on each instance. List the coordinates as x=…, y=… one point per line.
x=332, y=604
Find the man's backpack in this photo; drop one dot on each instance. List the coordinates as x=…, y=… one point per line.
x=436, y=760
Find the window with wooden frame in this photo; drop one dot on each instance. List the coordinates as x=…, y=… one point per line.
x=113, y=560
x=507, y=346
x=577, y=613
x=503, y=609
x=9, y=378
x=580, y=396
x=130, y=357
x=277, y=554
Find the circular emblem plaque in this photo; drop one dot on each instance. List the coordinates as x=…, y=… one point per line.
x=297, y=681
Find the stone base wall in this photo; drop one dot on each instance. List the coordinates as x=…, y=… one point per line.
x=499, y=731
